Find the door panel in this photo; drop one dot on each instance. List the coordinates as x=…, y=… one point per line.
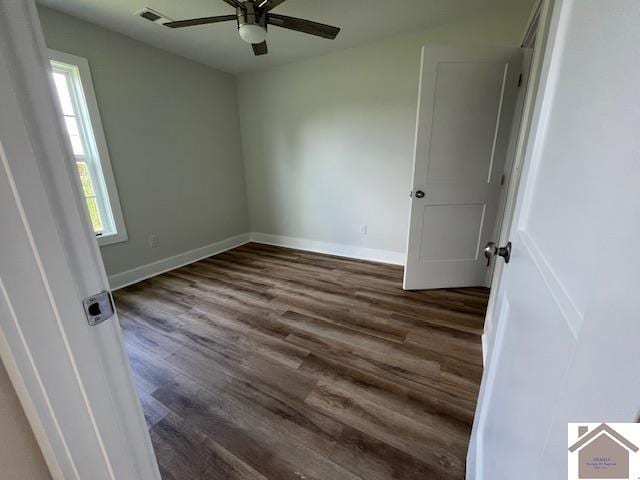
x=464, y=126
x=466, y=109
x=454, y=231
x=530, y=368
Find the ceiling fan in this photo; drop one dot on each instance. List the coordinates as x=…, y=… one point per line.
x=253, y=16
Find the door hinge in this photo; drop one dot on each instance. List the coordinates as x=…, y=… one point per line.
x=502, y=179
x=98, y=308
x=520, y=80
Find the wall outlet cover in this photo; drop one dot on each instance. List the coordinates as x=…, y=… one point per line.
x=153, y=240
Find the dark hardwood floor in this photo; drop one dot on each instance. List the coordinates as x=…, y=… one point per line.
x=270, y=363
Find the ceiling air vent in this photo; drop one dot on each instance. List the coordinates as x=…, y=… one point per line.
x=153, y=16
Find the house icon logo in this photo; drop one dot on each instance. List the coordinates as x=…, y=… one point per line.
x=602, y=452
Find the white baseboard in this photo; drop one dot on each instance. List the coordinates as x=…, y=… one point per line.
x=338, y=249
x=135, y=275
x=128, y=277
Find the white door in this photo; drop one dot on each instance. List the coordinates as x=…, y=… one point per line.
x=565, y=314
x=465, y=113
x=73, y=379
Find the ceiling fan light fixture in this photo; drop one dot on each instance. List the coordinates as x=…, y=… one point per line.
x=253, y=16
x=252, y=33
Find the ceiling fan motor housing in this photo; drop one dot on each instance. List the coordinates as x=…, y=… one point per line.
x=252, y=24
x=252, y=17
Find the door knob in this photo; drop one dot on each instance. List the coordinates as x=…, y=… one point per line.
x=491, y=250
x=505, y=252
x=419, y=194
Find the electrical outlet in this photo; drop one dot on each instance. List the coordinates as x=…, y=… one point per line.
x=363, y=229
x=153, y=240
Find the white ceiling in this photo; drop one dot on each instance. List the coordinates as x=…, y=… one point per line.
x=220, y=46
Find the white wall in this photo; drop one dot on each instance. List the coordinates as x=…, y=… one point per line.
x=174, y=139
x=20, y=456
x=328, y=142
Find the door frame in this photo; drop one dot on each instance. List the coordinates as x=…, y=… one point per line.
x=511, y=163
x=535, y=32
x=528, y=124
x=523, y=109
x=75, y=364
x=539, y=97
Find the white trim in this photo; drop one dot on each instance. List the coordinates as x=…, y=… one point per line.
x=475, y=455
x=484, y=344
x=135, y=275
x=338, y=249
x=101, y=144
x=26, y=400
x=533, y=26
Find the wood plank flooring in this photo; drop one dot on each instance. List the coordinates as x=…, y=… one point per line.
x=269, y=363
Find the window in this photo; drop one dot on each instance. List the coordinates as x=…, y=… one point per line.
x=72, y=81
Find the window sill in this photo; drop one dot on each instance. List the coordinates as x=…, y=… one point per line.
x=110, y=239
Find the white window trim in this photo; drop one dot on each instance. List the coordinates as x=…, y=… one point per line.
x=101, y=144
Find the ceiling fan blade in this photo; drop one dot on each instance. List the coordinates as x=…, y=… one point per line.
x=260, y=48
x=200, y=21
x=266, y=5
x=233, y=3
x=304, y=26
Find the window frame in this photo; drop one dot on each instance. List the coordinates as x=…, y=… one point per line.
x=90, y=110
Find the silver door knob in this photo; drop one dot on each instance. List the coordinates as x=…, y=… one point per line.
x=491, y=250
x=419, y=194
